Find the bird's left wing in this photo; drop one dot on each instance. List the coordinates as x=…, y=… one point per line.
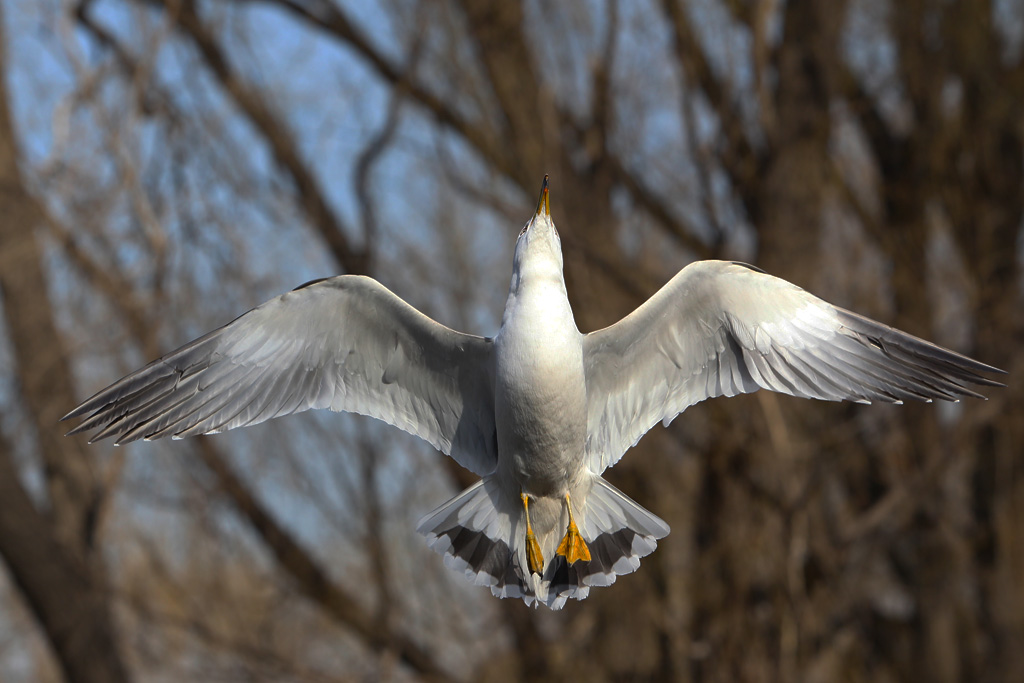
x=720, y=328
x=345, y=343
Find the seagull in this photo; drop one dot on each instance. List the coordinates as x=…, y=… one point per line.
x=540, y=410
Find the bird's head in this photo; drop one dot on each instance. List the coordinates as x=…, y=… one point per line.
x=539, y=248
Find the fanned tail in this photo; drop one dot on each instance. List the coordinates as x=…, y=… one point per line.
x=481, y=532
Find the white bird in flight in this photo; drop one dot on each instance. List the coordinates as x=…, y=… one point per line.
x=540, y=410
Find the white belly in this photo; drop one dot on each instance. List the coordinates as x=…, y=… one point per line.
x=540, y=403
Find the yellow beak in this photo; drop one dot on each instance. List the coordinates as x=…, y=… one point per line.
x=542, y=204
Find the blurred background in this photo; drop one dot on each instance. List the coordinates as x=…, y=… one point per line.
x=166, y=165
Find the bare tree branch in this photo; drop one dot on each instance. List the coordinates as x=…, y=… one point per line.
x=311, y=580
x=497, y=31
x=50, y=556
x=281, y=140
x=652, y=204
x=66, y=595
x=738, y=155
x=327, y=17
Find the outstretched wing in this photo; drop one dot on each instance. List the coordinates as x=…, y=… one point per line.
x=720, y=329
x=345, y=343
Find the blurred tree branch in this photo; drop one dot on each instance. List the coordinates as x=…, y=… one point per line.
x=311, y=580
x=281, y=140
x=52, y=555
x=327, y=17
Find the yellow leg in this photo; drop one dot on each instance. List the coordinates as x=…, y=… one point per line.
x=534, y=557
x=573, y=547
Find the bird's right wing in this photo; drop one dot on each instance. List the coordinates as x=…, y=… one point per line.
x=720, y=328
x=345, y=343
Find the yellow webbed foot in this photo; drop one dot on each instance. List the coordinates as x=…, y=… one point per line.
x=573, y=548
x=534, y=557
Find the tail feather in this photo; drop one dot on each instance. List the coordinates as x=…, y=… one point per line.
x=475, y=537
x=481, y=533
x=618, y=531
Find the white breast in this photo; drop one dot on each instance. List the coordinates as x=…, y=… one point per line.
x=540, y=398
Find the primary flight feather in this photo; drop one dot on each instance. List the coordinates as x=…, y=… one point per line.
x=540, y=410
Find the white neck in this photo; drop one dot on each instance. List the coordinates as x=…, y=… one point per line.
x=537, y=296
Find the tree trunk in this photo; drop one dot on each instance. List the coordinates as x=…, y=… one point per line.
x=49, y=555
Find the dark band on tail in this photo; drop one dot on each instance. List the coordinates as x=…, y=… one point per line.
x=484, y=557
x=611, y=554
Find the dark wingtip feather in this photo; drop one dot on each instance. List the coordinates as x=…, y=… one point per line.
x=78, y=430
x=923, y=352
x=985, y=381
x=87, y=406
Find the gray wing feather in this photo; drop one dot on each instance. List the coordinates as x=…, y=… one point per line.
x=721, y=329
x=345, y=343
